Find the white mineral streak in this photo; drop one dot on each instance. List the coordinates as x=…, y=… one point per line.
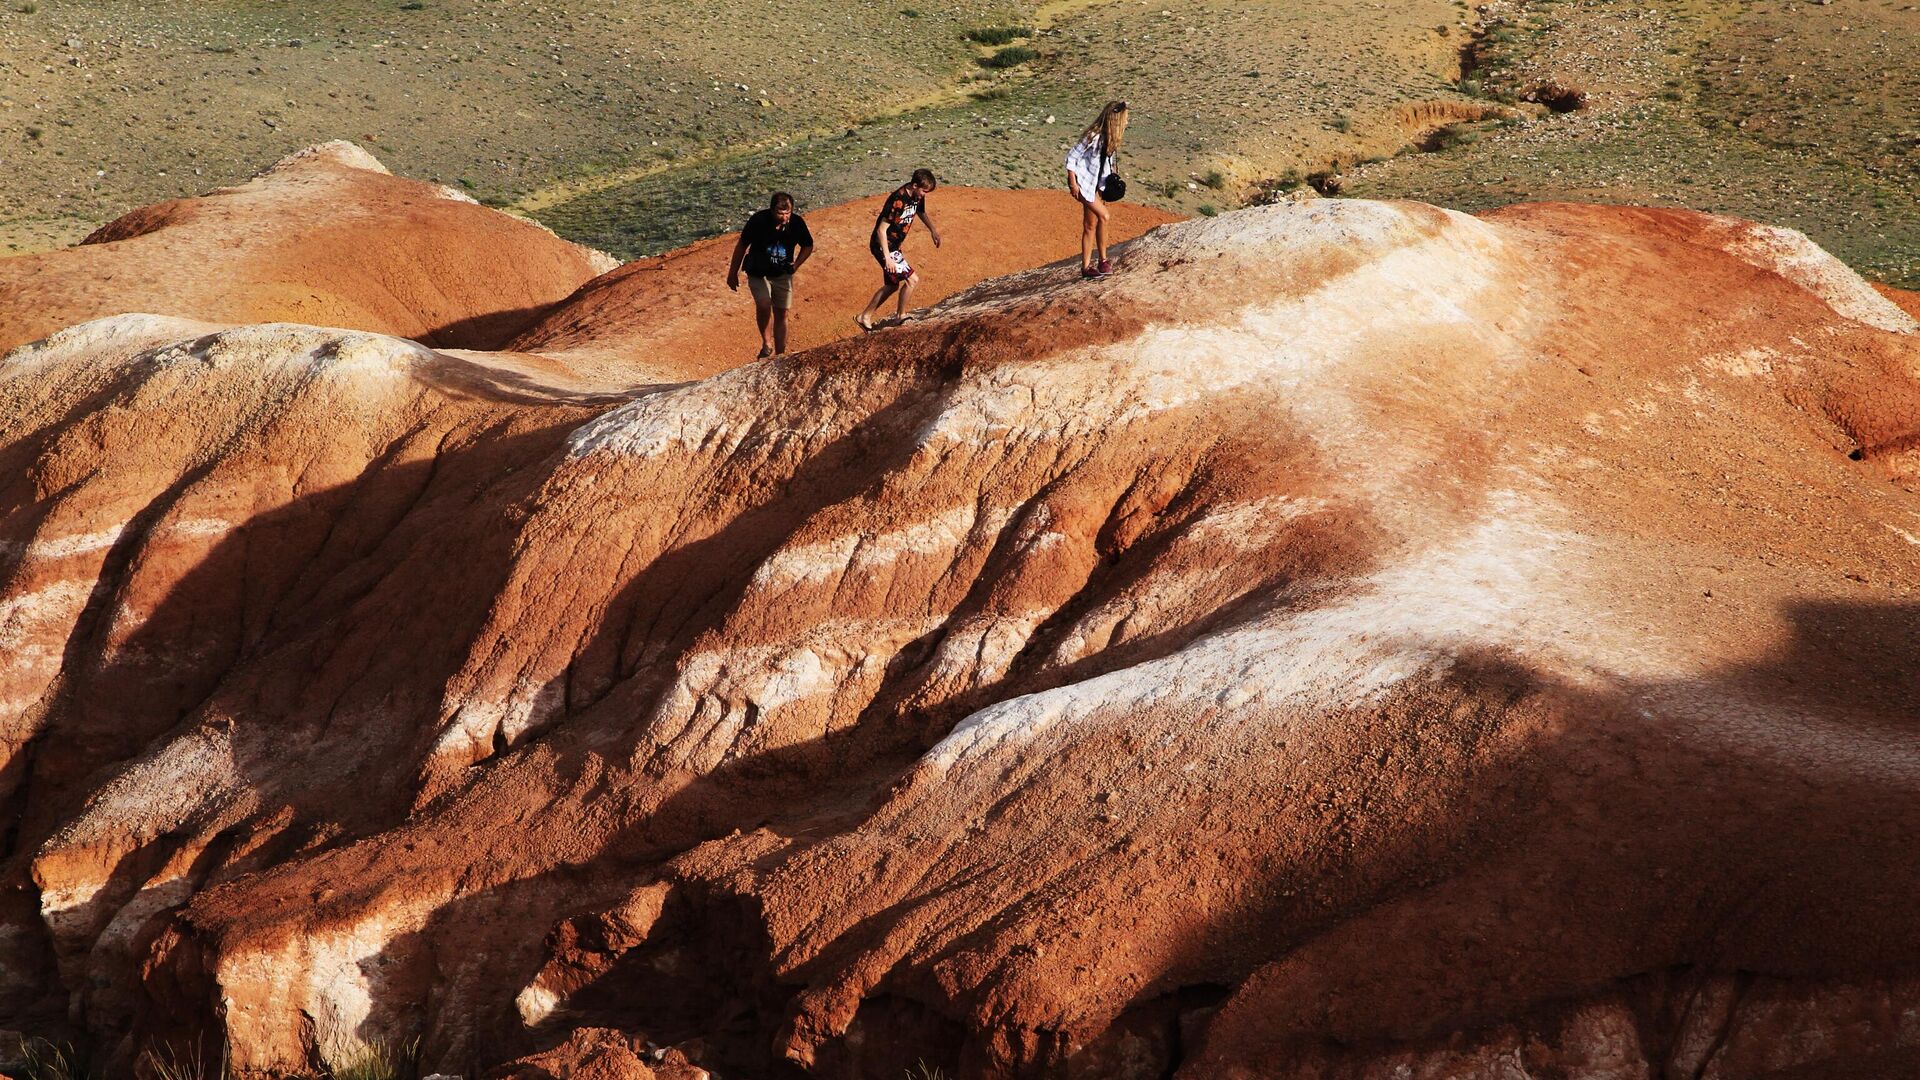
x=467, y=733
x=706, y=416
x=88, y=543
x=858, y=554
x=1303, y=348
x=26, y=617
x=535, y=1003
x=1508, y=582
x=717, y=693
x=980, y=649
x=1746, y=364
x=333, y=977
x=1794, y=257
x=120, y=338
x=180, y=780
x=1251, y=525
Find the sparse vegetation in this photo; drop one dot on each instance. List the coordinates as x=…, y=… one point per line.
x=1208, y=210
x=997, y=35
x=1214, y=179
x=1011, y=56
x=1788, y=136
x=45, y=1059
x=377, y=1059
x=923, y=1071
x=27, y=7
x=169, y=1063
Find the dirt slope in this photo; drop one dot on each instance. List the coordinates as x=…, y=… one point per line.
x=327, y=237
x=674, y=312
x=1355, y=640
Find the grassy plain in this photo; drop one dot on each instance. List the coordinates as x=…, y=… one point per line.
x=638, y=126
x=1785, y=111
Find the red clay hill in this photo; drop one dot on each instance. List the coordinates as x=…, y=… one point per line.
x=1355, y=640
x=325, y=236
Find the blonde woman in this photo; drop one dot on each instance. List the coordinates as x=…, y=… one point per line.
x=1089, y=164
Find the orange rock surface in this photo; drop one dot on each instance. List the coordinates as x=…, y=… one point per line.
x=327, y=237
x=1354, y=640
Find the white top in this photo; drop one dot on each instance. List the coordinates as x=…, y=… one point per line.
x=1089, y=166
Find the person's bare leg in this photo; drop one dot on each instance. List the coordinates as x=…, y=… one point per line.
x=906, y=290
x=762, y=313
x=1100, y=228
x=1087, y=223
x=865, y=318
x=779, y=330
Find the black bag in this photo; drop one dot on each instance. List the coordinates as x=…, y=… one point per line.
x=1113, y=189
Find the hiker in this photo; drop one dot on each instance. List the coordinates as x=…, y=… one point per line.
x=773, y=244
x=1091, y=179
x=889, y=231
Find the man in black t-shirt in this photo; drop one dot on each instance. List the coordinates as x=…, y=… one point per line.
x=773, y=244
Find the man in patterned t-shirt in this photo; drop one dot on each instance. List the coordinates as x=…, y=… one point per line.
x=889, y=232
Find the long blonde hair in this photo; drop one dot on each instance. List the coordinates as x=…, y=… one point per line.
x=1110, y=126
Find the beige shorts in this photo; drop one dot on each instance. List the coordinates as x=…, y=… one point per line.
x=777, y=291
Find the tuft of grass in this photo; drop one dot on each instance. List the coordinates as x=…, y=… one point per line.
x=167, y=1063
x=28, y=7
x=35, y=132
x=910, y=13
x=923, y=1071
x=413, y=5
x=1214, y=179
x=1208, y=210
x=45, y=1059
x=1342, y=123
x=1011, y=56
x=997, y=35
x=377, y=1059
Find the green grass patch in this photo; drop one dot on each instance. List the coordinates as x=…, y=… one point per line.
x=1011, y=56
x=997, y=35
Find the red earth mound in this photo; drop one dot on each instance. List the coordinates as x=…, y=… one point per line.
x=325, y=237
x=675, y=314
x=1908, y=301
x=1356, y=640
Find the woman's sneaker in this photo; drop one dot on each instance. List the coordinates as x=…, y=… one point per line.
x=1104, y=268
x=1089, y=271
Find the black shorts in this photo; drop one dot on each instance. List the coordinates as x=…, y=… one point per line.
x=893, y=264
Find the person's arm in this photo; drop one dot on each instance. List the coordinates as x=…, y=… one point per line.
x=733, y=268
x=803, y=244
x=1073, y=185
x=931, y=231
x=880, y=226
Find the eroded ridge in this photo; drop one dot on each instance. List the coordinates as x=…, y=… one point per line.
x=1353, y=637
